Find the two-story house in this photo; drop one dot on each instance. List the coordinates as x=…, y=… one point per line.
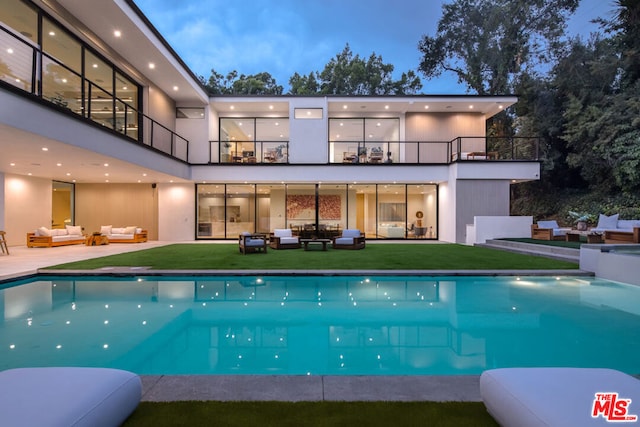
x=101, y=122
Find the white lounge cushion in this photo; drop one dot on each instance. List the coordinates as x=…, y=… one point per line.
x=607, y=222
x=282, y=232
x=548, y=224
x=532, y=397
x=344, y=241
x=628, y=224
x=91, y=397
x=288, y=240
x=351, y=232
x=43, y=231
x=106, y=229
x=74, y=230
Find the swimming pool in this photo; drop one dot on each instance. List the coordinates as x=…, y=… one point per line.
x=320, y=325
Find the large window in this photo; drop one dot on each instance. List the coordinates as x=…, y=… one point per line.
x=254, y=140
x=364, y=140
x=383, y=211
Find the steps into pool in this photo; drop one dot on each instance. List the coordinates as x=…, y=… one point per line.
x=555, y=252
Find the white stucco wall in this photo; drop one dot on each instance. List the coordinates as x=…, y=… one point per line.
x=176, y=212
x=308, y=137
x=27, y=206
x=498, y=227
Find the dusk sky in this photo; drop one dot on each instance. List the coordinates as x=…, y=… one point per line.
x=286, y=36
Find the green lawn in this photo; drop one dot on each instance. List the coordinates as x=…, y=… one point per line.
x=373, y=257
x=303, y=414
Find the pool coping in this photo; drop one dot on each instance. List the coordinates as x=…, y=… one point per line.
x=297, y=388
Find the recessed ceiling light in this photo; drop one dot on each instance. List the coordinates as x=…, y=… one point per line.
x=175, y=88
x=270, y=107
x=106, y=180
x=144, y=174
x=117, y=33
x=95, y=65
x=68, y=173
x=426, y=107
x=500, y=107
x=29, y=174
x=12, y=164
x=471, y=107
x=386, y=107
x=106, y=174
x=152, y=65
x=9, y=50
x=58, y=164
x=45, y=149
x=106, y=164
x=344, y=107
x=231, y=107
x=52, y=33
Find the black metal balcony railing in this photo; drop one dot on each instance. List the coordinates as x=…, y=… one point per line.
x=82, y=97
x=385, y=152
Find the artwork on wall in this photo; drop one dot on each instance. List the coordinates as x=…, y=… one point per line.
x=302, y=206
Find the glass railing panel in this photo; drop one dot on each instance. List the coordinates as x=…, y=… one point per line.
x=161, y=138
x=61, y=86
x=16, y=62
x=180, y=148
x=101, y=109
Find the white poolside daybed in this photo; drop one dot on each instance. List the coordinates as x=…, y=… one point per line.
x=562, y=397
x=78, y=397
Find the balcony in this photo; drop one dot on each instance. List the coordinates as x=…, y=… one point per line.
x=27, y=69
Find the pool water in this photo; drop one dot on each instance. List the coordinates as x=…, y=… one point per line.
x=320, y=325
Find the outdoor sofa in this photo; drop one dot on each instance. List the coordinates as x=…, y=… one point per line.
x=615, y=230
x=131, y=234
x=250, y=243
x=47, y=238
x=350, y=239
x=283, y=238
x=548, y=230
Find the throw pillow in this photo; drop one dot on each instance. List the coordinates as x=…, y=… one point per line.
x=608, y=222
x=130, y=230
x=43, y=231
x=74, y=230
x=106, y=229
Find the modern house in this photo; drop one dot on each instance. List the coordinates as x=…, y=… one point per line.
x=102, y=123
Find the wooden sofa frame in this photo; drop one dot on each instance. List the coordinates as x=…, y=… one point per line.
x=544, y=233
x=615, y=236
x=34, y=241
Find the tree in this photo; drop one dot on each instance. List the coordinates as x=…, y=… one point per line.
x=489, y=43
x=232, y=84
x=349, y=74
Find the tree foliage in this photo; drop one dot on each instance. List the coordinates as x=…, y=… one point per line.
x=487, y=44
x=349, y=74
x=232, y=84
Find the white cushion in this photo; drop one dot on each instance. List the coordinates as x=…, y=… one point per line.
x=254, y=242
x=528, y=397
x=106, y=229
x=351, y=232
x=560, y=231
x=344, y=241
x=138, y=230
x=74, y=230
x=607, y=222
x=43, y=231
x=118, y=230
x=282, y=232
x=628, y=224
x=131, y=229
x=59, y=232
x=548, y=224
x=79, y=397
x=288, y=240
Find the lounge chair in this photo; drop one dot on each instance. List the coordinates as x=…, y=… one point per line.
x=283, y=238
x=248, y=243
x=548, y=230
x=559, y=396
x=350, y=239
x=68, y=396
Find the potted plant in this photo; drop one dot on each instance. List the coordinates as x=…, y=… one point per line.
x=582, y=219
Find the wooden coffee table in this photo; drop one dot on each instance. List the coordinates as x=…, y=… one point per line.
x=306, y=243
x=574, y=236
x=97, y=240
